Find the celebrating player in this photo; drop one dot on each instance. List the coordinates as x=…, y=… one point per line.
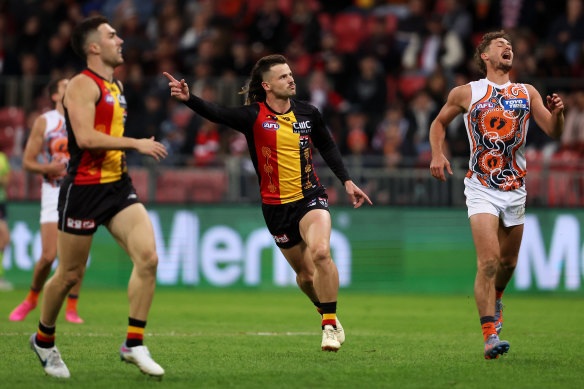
x=496, y=114
x=279, y=131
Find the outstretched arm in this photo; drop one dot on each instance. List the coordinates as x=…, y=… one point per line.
x=550, y=119
x=240, y=118
x=458, y=100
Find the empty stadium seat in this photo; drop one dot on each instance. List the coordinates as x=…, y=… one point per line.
x=349, y=29
x=408, y=85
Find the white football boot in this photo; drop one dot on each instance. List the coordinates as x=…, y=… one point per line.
x=329, y=339
x=50, y=359
x=340, y=332
x=140, y=356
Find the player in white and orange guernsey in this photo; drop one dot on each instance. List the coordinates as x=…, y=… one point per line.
x=496, y=114
x=48, y=139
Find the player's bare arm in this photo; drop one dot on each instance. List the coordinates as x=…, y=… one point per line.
x=356, y=195
x=551, y=118
x=457, y=103
x=80, y=98
x=33, y=148
x=178, y=89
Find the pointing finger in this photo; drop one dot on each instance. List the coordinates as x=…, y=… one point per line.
x=171, y=78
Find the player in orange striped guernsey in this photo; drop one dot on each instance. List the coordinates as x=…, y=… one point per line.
x=48, y=138
x=279, y=132
x=97, y=190
x=496, y=114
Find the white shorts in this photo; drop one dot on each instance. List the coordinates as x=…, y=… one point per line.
x=509, y=206
x=49, y=200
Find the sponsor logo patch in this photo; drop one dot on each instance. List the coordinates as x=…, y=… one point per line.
x=312, y=203
x=109, y=99
x=78, y=224
x=281, y=238
x=323, y=201
x=485, y=105
x=511, y=104
x=302, y=127
x=272, y=126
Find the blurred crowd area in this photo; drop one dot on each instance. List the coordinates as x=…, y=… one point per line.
x=379, y=71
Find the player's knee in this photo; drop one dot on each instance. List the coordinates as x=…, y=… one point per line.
x=321, y=253
x=48, y=256
x=488, y=266
x=148, y=261
x=305, y=278
x=508, y=263
x=71, y=278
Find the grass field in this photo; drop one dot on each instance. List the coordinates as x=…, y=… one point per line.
x=220, y=339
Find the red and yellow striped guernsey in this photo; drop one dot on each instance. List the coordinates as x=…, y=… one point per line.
x=284, y=156
x=89, y=167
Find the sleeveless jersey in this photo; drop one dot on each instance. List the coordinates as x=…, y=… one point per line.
x=55, y=143
x=88, y=167
x=496, y=124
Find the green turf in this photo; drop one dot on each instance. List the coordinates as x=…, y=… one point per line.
x=235, y=339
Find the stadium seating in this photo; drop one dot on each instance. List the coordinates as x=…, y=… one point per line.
x=349, y=30
x=12, y=120
x=191, y=186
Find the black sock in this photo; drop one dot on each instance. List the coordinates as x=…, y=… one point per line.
x=45, y=336
x=135, y=332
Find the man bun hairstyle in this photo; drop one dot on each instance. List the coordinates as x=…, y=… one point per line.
x=255, y=91
x=82, y=31
x=484, y=45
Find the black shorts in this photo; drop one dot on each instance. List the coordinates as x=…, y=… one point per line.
x=82, y=208
x=283, y=220
x=3, y=213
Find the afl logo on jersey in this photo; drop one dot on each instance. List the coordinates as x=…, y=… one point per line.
x=273, y=126
x=485, y=105
x=109, y=99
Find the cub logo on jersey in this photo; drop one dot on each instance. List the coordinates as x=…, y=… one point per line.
x=272, y=126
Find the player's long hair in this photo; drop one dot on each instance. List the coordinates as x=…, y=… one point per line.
x=254, y=89
x=484, y=45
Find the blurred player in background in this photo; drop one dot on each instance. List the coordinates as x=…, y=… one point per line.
x=279, y=131
x=496, y=114
x=97, y=190
x=4, y=231
x=48, y=138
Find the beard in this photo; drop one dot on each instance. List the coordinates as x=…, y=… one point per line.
x=505, y=68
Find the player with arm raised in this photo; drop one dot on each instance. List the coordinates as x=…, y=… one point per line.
x=496, y=114
x=279, y=131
